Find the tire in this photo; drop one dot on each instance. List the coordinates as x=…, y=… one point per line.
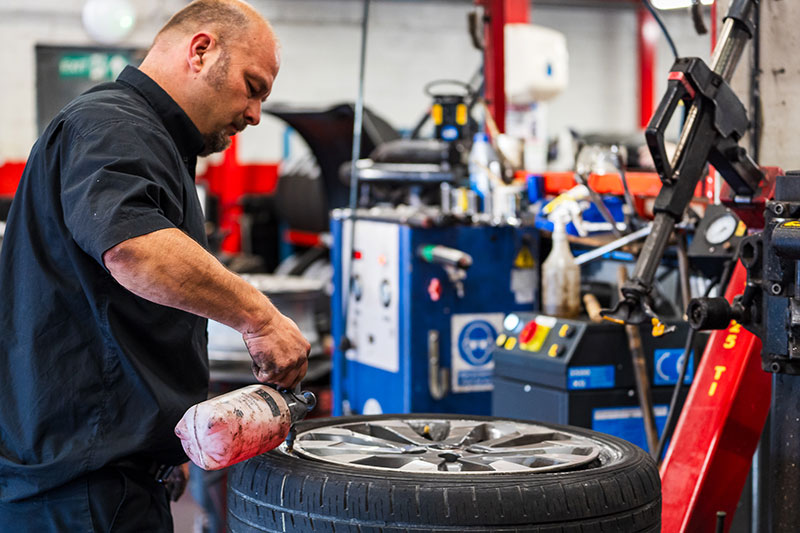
x=615, y=489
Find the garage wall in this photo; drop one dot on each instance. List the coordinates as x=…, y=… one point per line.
x=780, y=79
x=410, y=43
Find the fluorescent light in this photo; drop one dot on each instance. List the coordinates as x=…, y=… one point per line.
x=676, y=4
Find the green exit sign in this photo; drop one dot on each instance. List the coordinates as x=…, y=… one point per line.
x=95, y=66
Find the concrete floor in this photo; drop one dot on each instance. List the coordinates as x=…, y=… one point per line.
x=186, y=515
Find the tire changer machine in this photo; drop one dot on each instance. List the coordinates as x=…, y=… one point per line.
x=420, y=291
x=423, y=276
x=747, y=379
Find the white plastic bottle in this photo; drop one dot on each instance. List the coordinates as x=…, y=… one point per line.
x=239, y=425
x=561, y=277
x=482, y=160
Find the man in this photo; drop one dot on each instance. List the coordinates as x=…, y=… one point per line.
x=107, y=285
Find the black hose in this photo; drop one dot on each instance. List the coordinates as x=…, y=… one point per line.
x=667, y=432
x=664, y=30
x=725, y=277
x=755, y=89
x=307, y=258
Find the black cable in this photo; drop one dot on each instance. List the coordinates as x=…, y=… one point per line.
x=725, y=277
x=660, y=22
x=755, y=88
x=667, y=432
x=422, y=121
x=307, y=258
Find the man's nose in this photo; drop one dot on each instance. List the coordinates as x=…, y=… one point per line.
x=252, y=114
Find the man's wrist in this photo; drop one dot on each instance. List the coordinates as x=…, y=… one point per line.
x=261, y=319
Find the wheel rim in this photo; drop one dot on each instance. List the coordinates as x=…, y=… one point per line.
x=448, y=446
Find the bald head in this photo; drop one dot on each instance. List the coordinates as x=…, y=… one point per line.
x=218, y=60
x=224, y=17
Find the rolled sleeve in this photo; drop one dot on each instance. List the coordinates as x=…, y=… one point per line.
x=118, y=182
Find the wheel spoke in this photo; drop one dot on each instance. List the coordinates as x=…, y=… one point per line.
x=329, y=447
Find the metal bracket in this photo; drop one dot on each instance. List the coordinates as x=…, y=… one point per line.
x=438, y=378
x=456, y=276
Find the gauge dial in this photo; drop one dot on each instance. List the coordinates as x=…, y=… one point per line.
x=721, y=229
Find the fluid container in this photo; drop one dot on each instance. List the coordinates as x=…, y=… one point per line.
x=561, y=278
x=235, y=426
x=482, y=161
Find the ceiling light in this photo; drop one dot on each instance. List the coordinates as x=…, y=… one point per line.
x=108, y=21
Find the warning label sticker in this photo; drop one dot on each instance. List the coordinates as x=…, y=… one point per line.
x=524, y=258
x=472, y=341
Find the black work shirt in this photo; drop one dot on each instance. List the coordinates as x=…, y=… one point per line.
x=90, y=372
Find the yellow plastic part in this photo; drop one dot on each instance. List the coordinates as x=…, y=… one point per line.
x=461, y=114
x=658, y=327
x=437, y=114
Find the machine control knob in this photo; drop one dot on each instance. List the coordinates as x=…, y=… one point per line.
x=355, y=287
x=566, y=331
x=527, y=333
x=709, y=313
x=501, y=339
x=386, y=293
x=555, y=350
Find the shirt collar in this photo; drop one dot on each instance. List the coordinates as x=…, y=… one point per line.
x=187, y=137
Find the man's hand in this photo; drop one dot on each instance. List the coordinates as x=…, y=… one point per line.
x=279, y=352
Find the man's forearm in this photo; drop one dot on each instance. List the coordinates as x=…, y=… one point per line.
x=169, y=268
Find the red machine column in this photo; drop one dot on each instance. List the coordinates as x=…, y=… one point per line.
x=499, y=13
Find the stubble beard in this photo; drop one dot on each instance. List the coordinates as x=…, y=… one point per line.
x=218, y=141
x=215, y=142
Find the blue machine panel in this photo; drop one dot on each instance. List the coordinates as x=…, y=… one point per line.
x=627, y=422
x=590, y=377
x=387, y=367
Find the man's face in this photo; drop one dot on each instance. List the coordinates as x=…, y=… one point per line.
x=238, y=82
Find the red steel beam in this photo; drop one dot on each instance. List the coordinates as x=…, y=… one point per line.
x=719, y=428
x=499, y=13
x=646, y=44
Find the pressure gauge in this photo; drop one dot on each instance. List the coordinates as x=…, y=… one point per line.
x=721, y=229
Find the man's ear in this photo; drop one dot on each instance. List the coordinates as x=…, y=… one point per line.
x=200, y=44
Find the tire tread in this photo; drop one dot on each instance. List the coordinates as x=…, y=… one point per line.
x=277, y=491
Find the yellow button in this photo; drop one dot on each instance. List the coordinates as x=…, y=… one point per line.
x=501, y=339
x=565, y=331
x=510, y=343
x=554, y=350
x=437, y=114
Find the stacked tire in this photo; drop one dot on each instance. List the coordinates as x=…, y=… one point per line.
x=618, y=491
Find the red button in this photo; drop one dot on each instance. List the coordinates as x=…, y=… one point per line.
x=435, y=289
x=528, y=332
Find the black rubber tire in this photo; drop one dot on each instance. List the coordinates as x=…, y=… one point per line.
x=287, y=493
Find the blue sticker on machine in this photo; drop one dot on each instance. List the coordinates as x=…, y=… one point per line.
x=590, y=377
x=667, y=363
x=627, y=423
x=476, y=342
